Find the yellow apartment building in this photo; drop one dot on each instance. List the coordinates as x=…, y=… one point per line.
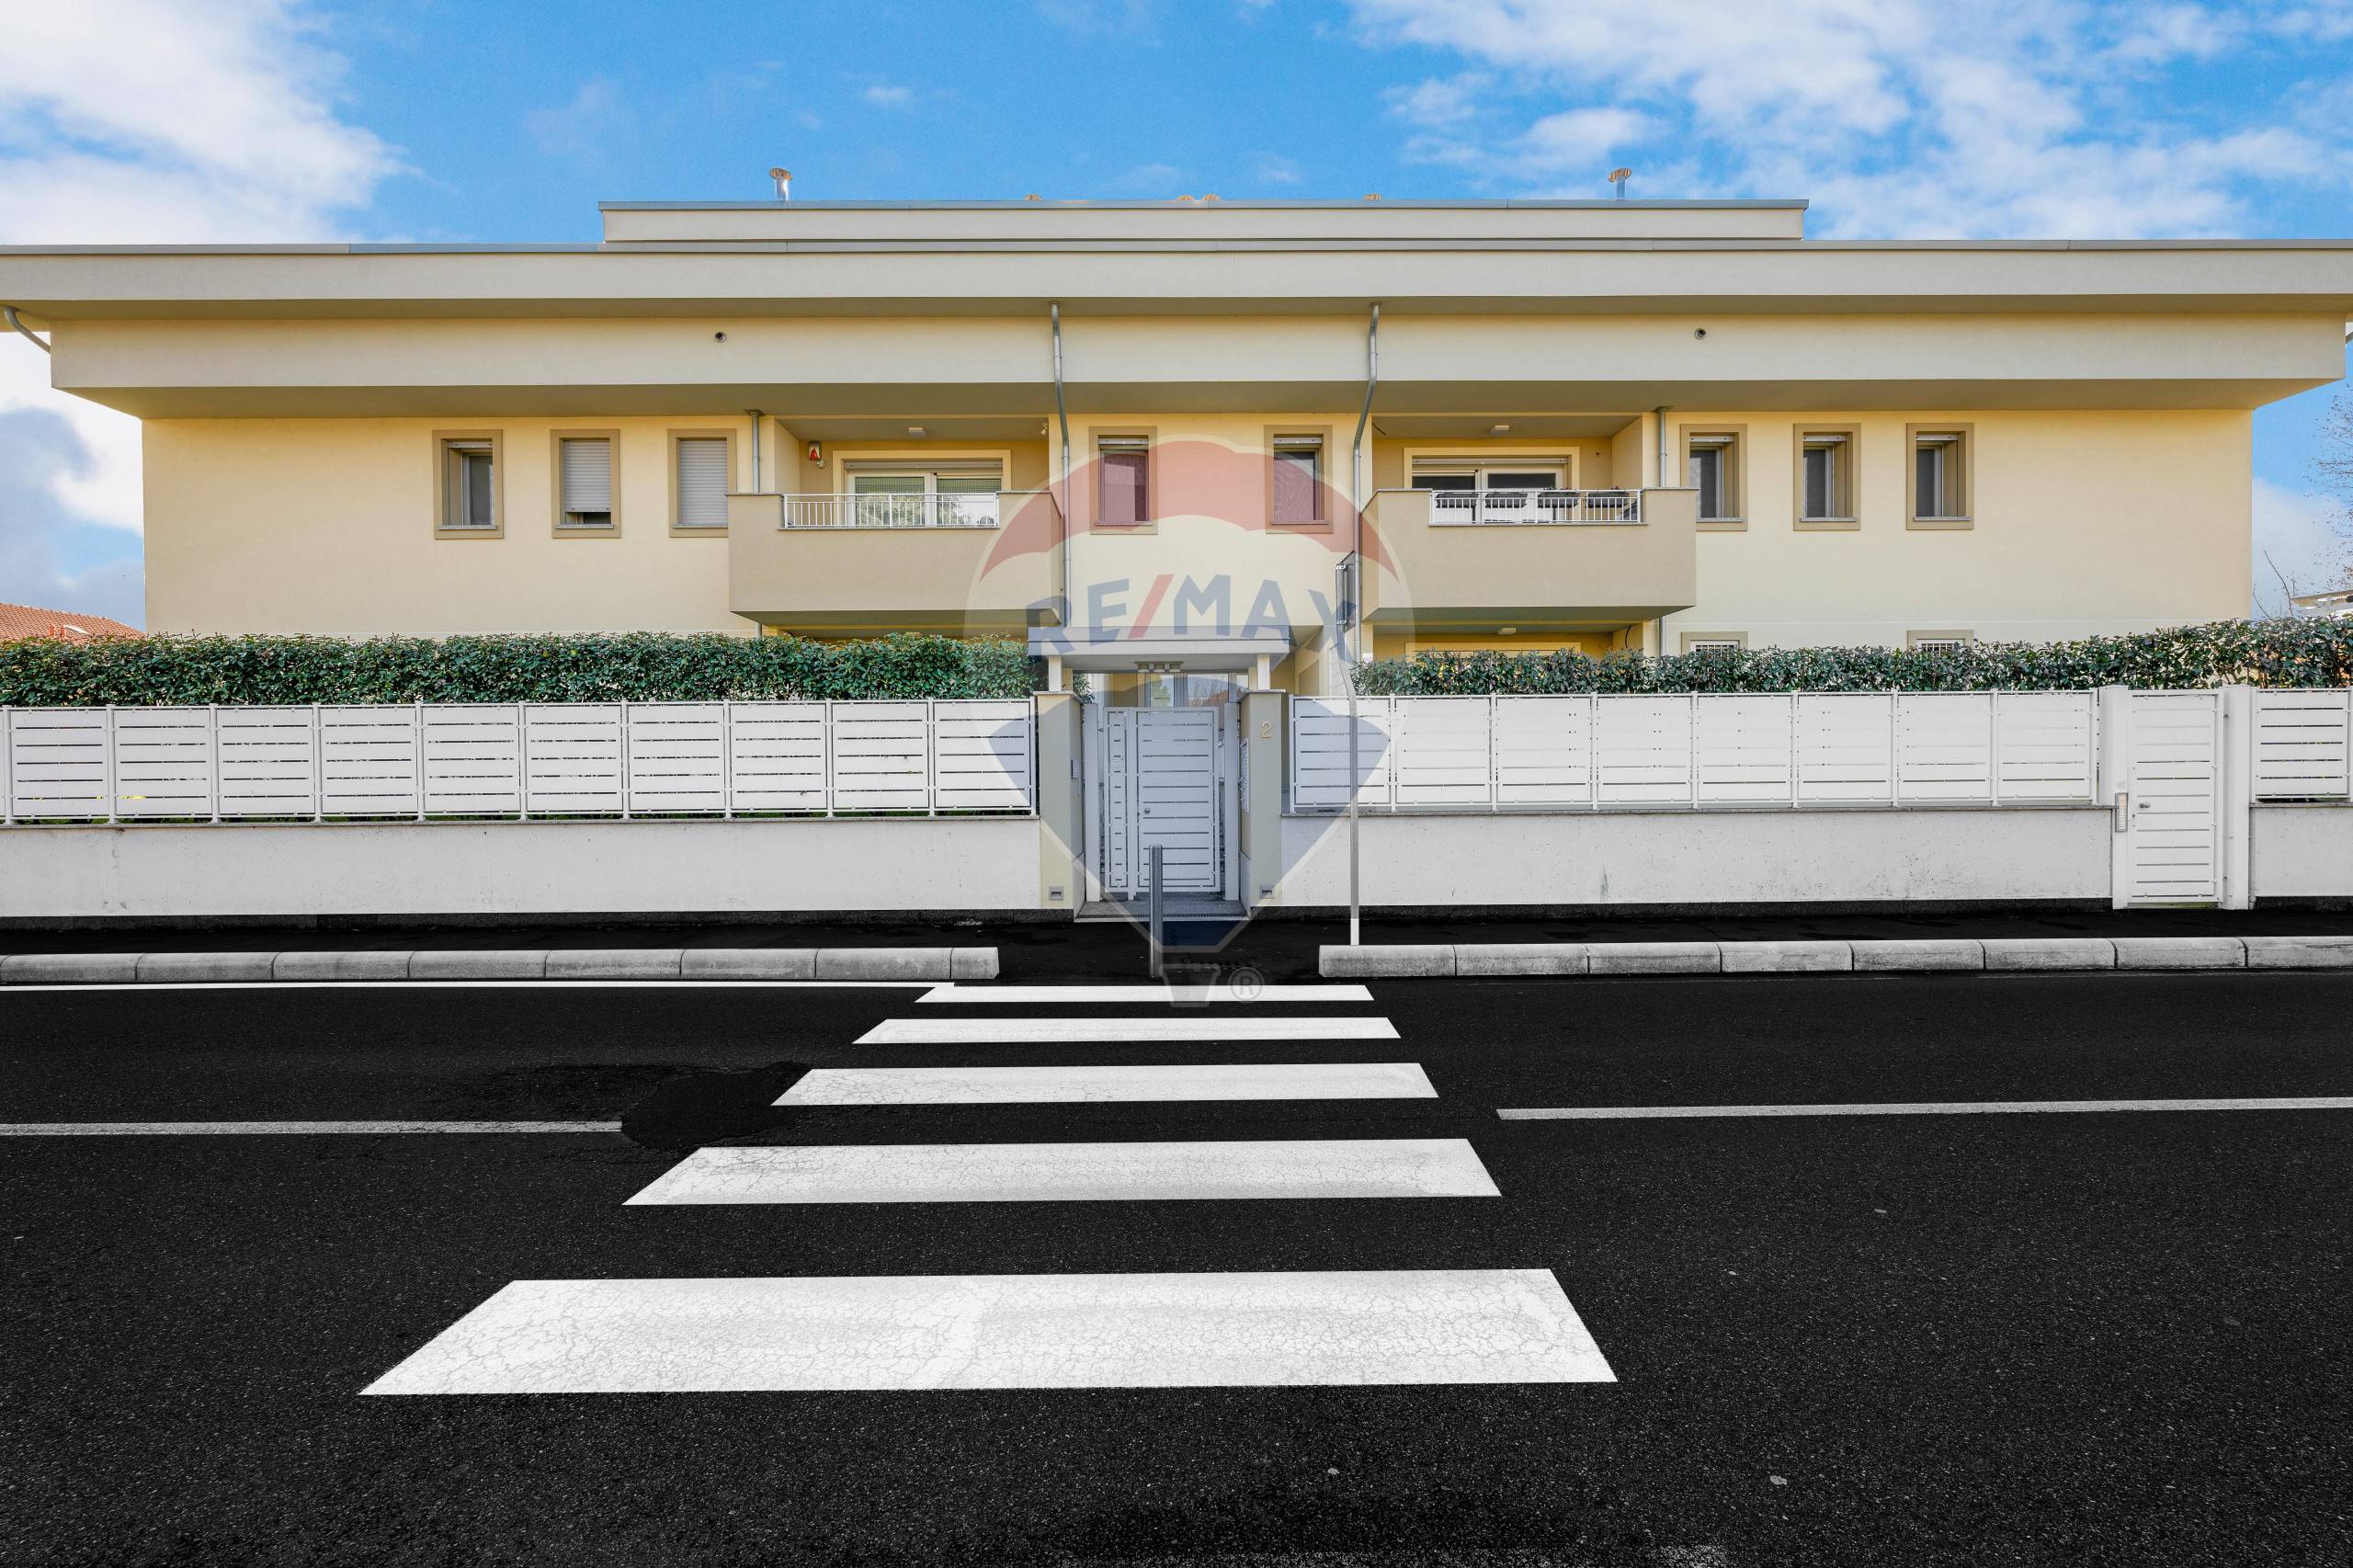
x=1171, y=442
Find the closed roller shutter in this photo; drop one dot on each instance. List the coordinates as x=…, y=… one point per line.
x=702, y=482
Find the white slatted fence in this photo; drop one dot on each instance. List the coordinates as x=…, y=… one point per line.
x=2301, y=745
x=487, y=759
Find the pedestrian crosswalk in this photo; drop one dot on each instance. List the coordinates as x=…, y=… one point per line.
x=1238, y=1328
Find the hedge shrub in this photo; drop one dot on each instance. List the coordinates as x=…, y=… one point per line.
x=637, y=666
x=2261, y=653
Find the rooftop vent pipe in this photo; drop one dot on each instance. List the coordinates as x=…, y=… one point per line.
x=783, y=178
x=1618, y=179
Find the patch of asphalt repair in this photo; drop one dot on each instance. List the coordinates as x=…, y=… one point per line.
x=684, y=1112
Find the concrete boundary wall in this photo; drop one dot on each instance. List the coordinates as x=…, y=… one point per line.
x=521, y=868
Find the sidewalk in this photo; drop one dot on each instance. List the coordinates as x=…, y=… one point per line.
x=1280, y=949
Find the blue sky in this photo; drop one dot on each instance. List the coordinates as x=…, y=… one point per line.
x=125, y=120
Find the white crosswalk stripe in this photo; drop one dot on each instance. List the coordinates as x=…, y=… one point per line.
x=1122, y=1031
x=1083, y=1086
x=1010, y=1331
x=1077, y=1173
x=1046, y=1331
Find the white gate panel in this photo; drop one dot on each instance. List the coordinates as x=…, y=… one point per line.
x=881, y=757
x=58, y=764
x=778, y=756
x=2045, y=745
x=1846, y=748
x=1319, y=753
x=1543, y=750
x=2301, y=745
x=678, y=758
x=473, y=759
x=1944, y=746
x=1744, y=750
x=1163, y=771
x=368, y=761
x=981, y=756
x=1441, y=755
x=269, y=761
x=2173, y=839
x=1643, y=750
x=163, y=762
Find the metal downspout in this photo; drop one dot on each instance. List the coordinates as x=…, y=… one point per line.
x=1355, y=628
x=1062, y=413
x=22, y=330
x=755, y=417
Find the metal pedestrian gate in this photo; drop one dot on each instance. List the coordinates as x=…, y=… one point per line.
x=1160, y=779
x=2173, y=843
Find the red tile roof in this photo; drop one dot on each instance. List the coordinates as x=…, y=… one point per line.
x=25, y=621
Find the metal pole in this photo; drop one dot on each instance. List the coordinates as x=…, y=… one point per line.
x=1351, y=590
x=1153, y=911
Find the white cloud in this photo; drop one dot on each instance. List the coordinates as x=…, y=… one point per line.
x=2032, y=119
x=586, y=128
x=2298, y=535
x=1273, y=168
x=889, y=94
x=131, y=121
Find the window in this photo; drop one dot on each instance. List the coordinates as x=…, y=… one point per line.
x=1939, y=641
x=1715, y=642
x=901, y=495
x=1517, y=476
x=1123, y=479
x=1825, y=477
x=1517, y=490
x=1297, y=480
x=701, y=471
x=1712, y=466
x=583, y=474
x=1940, y=475
x=469, y=485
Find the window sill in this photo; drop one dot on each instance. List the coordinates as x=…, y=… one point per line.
x=1312, y=525
x=492, y=532
x=1829, y=525
x=1144, y=527
x=1933, y=525
x=587, y=530
x=697, y=530
x=1724, y=525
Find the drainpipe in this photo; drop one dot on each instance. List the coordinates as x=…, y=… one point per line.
x=1356, y=620
x=1660, y=415
x=756, y=449
x=27, y=333
x=1062, y=413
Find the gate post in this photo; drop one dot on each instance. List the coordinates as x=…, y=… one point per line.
x=1264, y=745
x=2115, y=782
x=2236, y=808
x=1062, y=796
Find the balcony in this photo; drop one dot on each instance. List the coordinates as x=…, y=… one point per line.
x=1536, y=559
x=855, y=565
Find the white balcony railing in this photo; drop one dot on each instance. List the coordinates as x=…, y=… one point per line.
x=837, y=511
x=1463, y=508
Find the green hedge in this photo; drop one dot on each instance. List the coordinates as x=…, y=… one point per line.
x=638, y=667
x=2261, y=652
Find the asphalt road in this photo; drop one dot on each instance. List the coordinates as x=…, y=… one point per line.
x=2089, y=1338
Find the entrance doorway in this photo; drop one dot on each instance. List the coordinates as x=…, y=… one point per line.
x=1166, y=778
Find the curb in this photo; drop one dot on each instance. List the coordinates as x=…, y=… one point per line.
x=650, y=965
x=1947, y=955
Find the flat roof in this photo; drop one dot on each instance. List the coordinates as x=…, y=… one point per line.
x=1156, y=203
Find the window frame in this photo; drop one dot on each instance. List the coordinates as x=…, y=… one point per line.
x=556, y=525
x=1915, y=641
x=443, y=440
x=1326, y=508
x=1126, y=434
x=1848, y=517
x=1960, y=475
x=1735, y=440
x=698, y=530
x=1692, y=640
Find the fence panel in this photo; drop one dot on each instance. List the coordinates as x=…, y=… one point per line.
x=269, y=761
x=1846, y=748
x=1319, y=753
x=57, y=764
x=1443, y=750
x=678, y=758
x=2046, y=745
x=1745, y=752
x=473, y=759
x=1643, y=750
x=572, y=753
x=882, y=754
x=777, y=760
x=368, y=765
x=981, y=756
x=1544, y=751
x=163, y=763
x=1944, y=746
x=2301, y=745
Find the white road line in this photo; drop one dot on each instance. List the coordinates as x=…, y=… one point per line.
x=1010, y=1331
x=1077, y=1173
x=1089, y=1031
x=1041, y=1085
x=219, y=1128
x=479, y=984
x=1170, y=996
x=1923, y=1107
